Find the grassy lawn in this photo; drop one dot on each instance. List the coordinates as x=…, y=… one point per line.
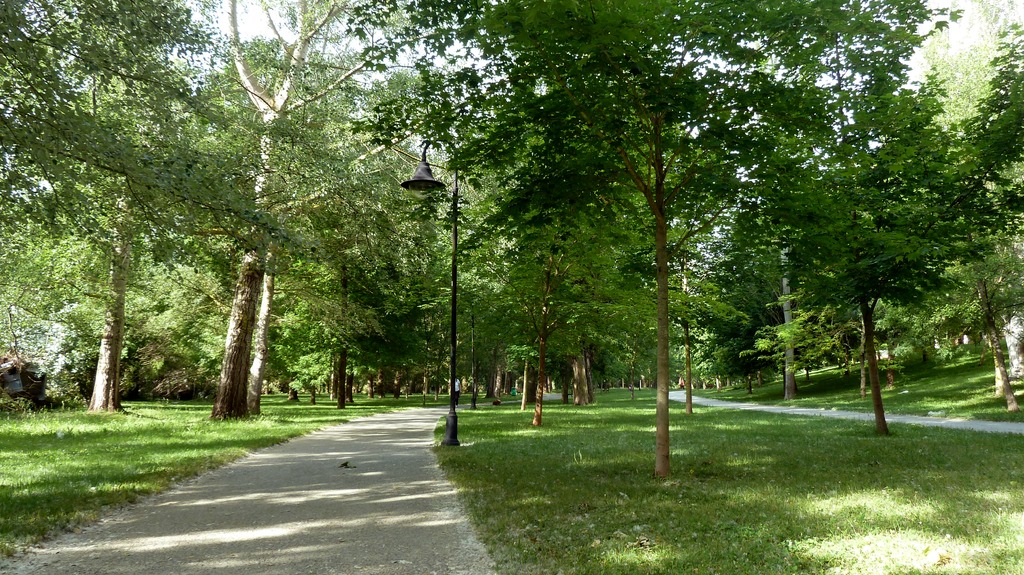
x=58, y=469
x=959, y=389
x=750, y=493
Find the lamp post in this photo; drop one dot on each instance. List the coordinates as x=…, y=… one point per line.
x=423, y=180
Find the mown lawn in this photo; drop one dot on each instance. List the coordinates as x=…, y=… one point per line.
x=749, y=494
x=58, y=469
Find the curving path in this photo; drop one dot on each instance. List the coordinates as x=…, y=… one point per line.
x=364, y=497
x=966, y=424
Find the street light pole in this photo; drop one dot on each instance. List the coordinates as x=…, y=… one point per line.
x=451, y=428
x=422, y=180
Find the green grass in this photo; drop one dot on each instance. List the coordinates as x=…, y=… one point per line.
x=750, y=493
x=959, y=389
x=59, y=469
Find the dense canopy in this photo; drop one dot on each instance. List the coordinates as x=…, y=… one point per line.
x=203, y=200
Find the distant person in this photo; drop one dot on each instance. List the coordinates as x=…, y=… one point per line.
x=457, y=390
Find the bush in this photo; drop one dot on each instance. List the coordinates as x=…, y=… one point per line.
x=10, y=404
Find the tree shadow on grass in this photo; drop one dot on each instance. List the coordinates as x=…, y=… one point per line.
x=750, y=494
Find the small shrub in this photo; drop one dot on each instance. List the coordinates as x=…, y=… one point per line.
x=10, y=404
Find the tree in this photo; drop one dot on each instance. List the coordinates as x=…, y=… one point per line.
x=996, y=140
x=96, y=133
x=280, y=78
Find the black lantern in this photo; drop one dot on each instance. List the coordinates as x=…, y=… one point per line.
x=423, y=178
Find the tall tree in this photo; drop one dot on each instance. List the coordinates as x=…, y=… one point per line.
x=991, y=186
x=304, y=63
x=93, y=116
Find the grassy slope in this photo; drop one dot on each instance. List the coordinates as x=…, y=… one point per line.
x=58, y=469
x=750, y=494
x=960, y=389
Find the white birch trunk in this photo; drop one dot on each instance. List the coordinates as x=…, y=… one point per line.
x=260, y=342
x=790, y=370
x=106, y=390
x=1013, y=333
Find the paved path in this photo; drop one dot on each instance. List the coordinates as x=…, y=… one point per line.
x=362, y=498
x=971, y=425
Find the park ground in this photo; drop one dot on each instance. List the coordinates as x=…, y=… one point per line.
x=750, y=493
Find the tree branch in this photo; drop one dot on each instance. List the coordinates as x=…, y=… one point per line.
x=332, y=86
x=257, y=92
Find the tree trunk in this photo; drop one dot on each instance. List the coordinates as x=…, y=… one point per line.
x=230, y=401
x=863, y=374
x=997, y=349
x=662, y=464
x=689, y=367
x=350, y=383
x=579, y=393
x=339, y=377
x=867, y=311
x=569, y=379
x=472, y=358
x=790, y=372
x=426, y=384
x=588, y=371
x=494, y=376
x=1013, y=333
x=538, y=406
x=332, y=379
x=106, y=390
x=341, y=372
x=260, y=338
x=529, y=386
x=499, y=382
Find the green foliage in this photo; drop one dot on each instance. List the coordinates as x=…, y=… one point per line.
x=820, y=336
x=311, y=372
x=997, y=130
x=42, y=276
x=174, y=338
x=98, y=104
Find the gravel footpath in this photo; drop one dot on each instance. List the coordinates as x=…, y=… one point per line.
x=966, y=424
x=364, y=497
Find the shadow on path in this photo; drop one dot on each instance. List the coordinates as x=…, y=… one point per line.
x=364, y=497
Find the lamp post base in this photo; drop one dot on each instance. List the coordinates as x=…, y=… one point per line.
x=451, y=430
